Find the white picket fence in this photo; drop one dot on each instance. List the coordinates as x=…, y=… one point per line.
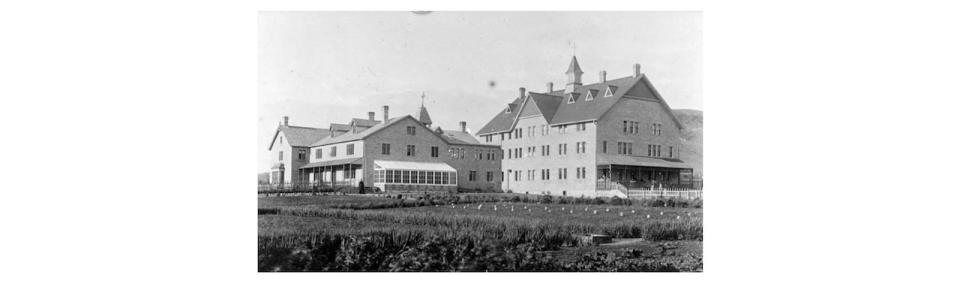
x=665, y=193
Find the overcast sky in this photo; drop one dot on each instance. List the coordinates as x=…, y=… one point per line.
x=323, y=67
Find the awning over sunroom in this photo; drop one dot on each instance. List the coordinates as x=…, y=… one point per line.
x=604, y=160
x=407, y=165
x=355, y=161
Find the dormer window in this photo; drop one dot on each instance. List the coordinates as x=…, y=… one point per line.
x=572, y=98
x=610, y=91
x=590, y=94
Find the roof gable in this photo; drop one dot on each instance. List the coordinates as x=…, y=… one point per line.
x=546, y=104
x=299, y=136
x=645, y=90
x=529, y=110
x=373, y=130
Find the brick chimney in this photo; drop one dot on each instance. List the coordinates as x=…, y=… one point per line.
x=286, y=120
x=523, y=91
x=636, y=70
x=549, y=87
x=603, y=76
x=386, y=113
x=463, y=125
x=370, y=116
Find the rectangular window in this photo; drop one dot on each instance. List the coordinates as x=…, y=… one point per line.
x=411, y=130
x=489, y=176
x=671, y=151
x=318, y=153
x=604, y=147
x=520, y=133
x=333, y=151
x=349, y=149
x=280, y=155
x=411, y=150
x=630, y=148
x=658, y=150
x=385, y=149
x=434, y=151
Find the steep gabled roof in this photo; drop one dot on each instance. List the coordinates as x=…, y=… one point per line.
x=299, y=136
x=592, y=110
x=547, y=104
x=459, y=137
x=556, y=110
x=363, y=122
x=503, y=121
x=340, y=127
x=453, y=137
x=351, y=136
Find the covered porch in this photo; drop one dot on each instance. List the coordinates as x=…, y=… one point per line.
x=333, y=173
x=639, y=172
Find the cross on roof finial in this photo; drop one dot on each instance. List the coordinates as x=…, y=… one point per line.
x=422, y=96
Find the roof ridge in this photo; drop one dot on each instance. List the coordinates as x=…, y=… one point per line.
x=303, y=127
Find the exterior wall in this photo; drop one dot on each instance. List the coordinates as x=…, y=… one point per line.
x=532, y=126
x=295, y=163
x=280, y=145
x=396, y=135
x=647, y=112
x=358, y=151
x=470, y=162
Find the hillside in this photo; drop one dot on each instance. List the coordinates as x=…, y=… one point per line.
x=691, y=138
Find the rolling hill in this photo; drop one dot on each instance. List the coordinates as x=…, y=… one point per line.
x=691, y=138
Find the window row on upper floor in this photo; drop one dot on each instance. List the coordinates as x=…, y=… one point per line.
x=653, y=150
x=633, y=128
x=518, y=152
x=532, y=131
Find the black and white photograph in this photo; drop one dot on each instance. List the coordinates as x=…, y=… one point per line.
x=428, y=144
x=480, y=141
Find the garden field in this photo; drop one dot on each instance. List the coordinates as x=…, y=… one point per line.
x=477, y=232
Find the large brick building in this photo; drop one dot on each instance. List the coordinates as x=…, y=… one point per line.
x=587, y=139
x=393, y=154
